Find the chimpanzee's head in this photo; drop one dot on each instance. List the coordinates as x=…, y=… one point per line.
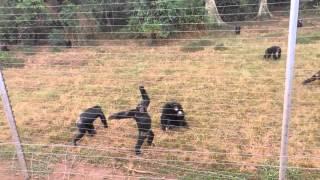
x=177, y=109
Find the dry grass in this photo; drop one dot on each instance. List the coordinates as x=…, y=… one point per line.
x=233, y=100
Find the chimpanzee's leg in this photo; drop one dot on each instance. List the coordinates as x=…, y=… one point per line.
x=81, y=132
x=279, y=53
x=269, y=55
x=172, y=123
x=141, y=137
x=181, y=122
x=91, y=130
x=150, y=137
x=163, y=122
x=275, y=55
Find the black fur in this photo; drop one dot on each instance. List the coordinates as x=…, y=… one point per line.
x=313, y=78
x=68, y=44
x=237, y=29
x=4, y=47
x=143, y=119
x=172, y=116
x=274, y=51
x=300, y=23
x=85, y=122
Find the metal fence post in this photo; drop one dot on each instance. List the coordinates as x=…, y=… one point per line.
x=12, y=124
x=294, y=11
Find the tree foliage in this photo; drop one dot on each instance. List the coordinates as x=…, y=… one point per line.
x=164, y=17
x=31, y=18
x=34, y=21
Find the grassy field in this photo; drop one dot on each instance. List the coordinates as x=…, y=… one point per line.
x=233, y=100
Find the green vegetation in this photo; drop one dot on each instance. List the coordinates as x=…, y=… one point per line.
x=233, y=98
x=309, y=38
x=197, y=46
x=9, y=61
x=28, y=21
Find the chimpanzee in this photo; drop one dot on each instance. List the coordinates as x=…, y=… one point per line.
x=172, y=116
x=85, y=122
x=274, y=51
x=153, y=39
x=300, y=23
x=4, y=47
x=68, y=44
x=313, y=78
x=143, y=119
x=237, y=29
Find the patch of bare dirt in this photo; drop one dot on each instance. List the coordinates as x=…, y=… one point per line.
x=7, y=172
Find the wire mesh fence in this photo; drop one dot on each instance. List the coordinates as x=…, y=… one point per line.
x=232, y=97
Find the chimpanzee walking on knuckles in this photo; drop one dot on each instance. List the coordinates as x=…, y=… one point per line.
x=85, y=122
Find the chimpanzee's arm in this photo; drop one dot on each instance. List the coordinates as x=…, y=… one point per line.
x=145, y=98
x=123, y=114
x=96, y=112
x=313, y=78
x=103, y=118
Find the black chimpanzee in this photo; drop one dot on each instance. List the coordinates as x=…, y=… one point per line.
x=300, y=23
x=143, y=119
x=274, y=51
x=4, y=47
x=313, y=78
x=68, y=44
x=237, y=29
x=85, y=122
x=172, y=116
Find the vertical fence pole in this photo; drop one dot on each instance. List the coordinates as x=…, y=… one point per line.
x=12, y=124
x=294, y=11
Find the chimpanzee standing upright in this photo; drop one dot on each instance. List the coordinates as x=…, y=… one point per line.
x=85, y=122
x=237, y=29
x=143, y=119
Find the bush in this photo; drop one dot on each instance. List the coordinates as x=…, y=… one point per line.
x=28, y=14
x=163, y=17
x=237, y=10
x=56, y=38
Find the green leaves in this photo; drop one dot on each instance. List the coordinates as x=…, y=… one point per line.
x=163, y=17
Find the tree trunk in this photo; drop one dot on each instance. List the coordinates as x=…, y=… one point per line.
x=263, y=9
x=213, y=12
